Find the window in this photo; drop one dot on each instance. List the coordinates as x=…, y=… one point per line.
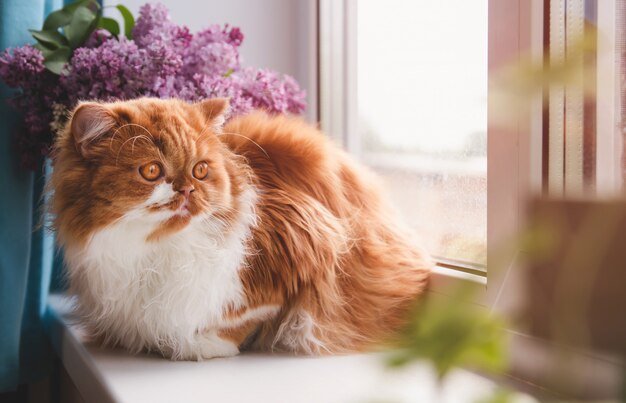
x=407, y=95
x=422, y=116
x=587, y=149
x=403, y=85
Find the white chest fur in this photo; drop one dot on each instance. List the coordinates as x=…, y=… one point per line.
x=159, y=295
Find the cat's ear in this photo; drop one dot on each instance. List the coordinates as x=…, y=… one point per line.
x=90, y=121
x=216, y=111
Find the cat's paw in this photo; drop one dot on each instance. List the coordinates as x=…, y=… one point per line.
x=211, y=345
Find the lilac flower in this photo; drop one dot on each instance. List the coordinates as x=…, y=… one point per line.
x=23, y=68
x=20, y=67
x=217, y=58
x=296, y=96
x=160, y=61
x=214, y=33
x=163, y=60
x=235, y=36
x=175, y=87
x=224, y=87
x=111, y=71
x=155, y=25
x=271, y=91
x=97, y=38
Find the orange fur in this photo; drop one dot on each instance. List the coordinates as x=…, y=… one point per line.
x=326, y=248
x=327, y=242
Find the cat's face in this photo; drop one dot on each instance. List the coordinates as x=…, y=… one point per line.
x=159, y=161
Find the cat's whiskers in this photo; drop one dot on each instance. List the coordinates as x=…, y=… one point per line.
x=133, y=139
x=140, y=126
x=247, y=138
x=126, y=125
x=161, y=157
x=206, y=127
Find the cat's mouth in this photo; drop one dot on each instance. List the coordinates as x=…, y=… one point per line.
x=183, y=209
x=180, y=211
x=178, y=205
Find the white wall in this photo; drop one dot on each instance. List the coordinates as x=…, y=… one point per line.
x=278, y=34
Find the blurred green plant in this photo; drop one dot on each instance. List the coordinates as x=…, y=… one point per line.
x=449, y=331
x=499, y=396
x=69, y=28
x=513, y=87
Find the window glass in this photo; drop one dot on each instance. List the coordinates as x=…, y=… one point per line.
x=422, y=110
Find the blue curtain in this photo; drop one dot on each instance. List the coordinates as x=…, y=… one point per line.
x=25, y=254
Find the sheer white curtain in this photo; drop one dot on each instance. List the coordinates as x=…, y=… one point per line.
x=566, y=116
x=586, y=110
x=621, y=72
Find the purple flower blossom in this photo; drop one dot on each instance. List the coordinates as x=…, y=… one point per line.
x=20, y=67
x=114, y=70
x=217, y=58
x=23, y=68
x=271, y=91
x=97, y=38
x=163, y=60
x=153, y=24
x=224, y=87
x=235, y=36
x=214, y=33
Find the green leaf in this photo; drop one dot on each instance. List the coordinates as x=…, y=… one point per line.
x=499, y=396
x=91, y=4
x=57, y=59
x=57, y=19
x=63, y=17
x=110, y=25
x=44, y=50
x=50, y=39
x=450, y=332
x=129, y=20
x=82, y=25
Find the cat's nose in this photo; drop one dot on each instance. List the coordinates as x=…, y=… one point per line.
x=186, y=190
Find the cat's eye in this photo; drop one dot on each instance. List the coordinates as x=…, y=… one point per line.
x=151, y=171
x=201, y=170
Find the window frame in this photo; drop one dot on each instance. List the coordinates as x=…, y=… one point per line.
x=515, y=152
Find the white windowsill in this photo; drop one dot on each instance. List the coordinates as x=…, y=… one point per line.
x=106, y=375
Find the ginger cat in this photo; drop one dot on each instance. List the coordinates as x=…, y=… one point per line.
x=195, y=238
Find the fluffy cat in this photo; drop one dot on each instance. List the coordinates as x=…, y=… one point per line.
x=192, y=238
